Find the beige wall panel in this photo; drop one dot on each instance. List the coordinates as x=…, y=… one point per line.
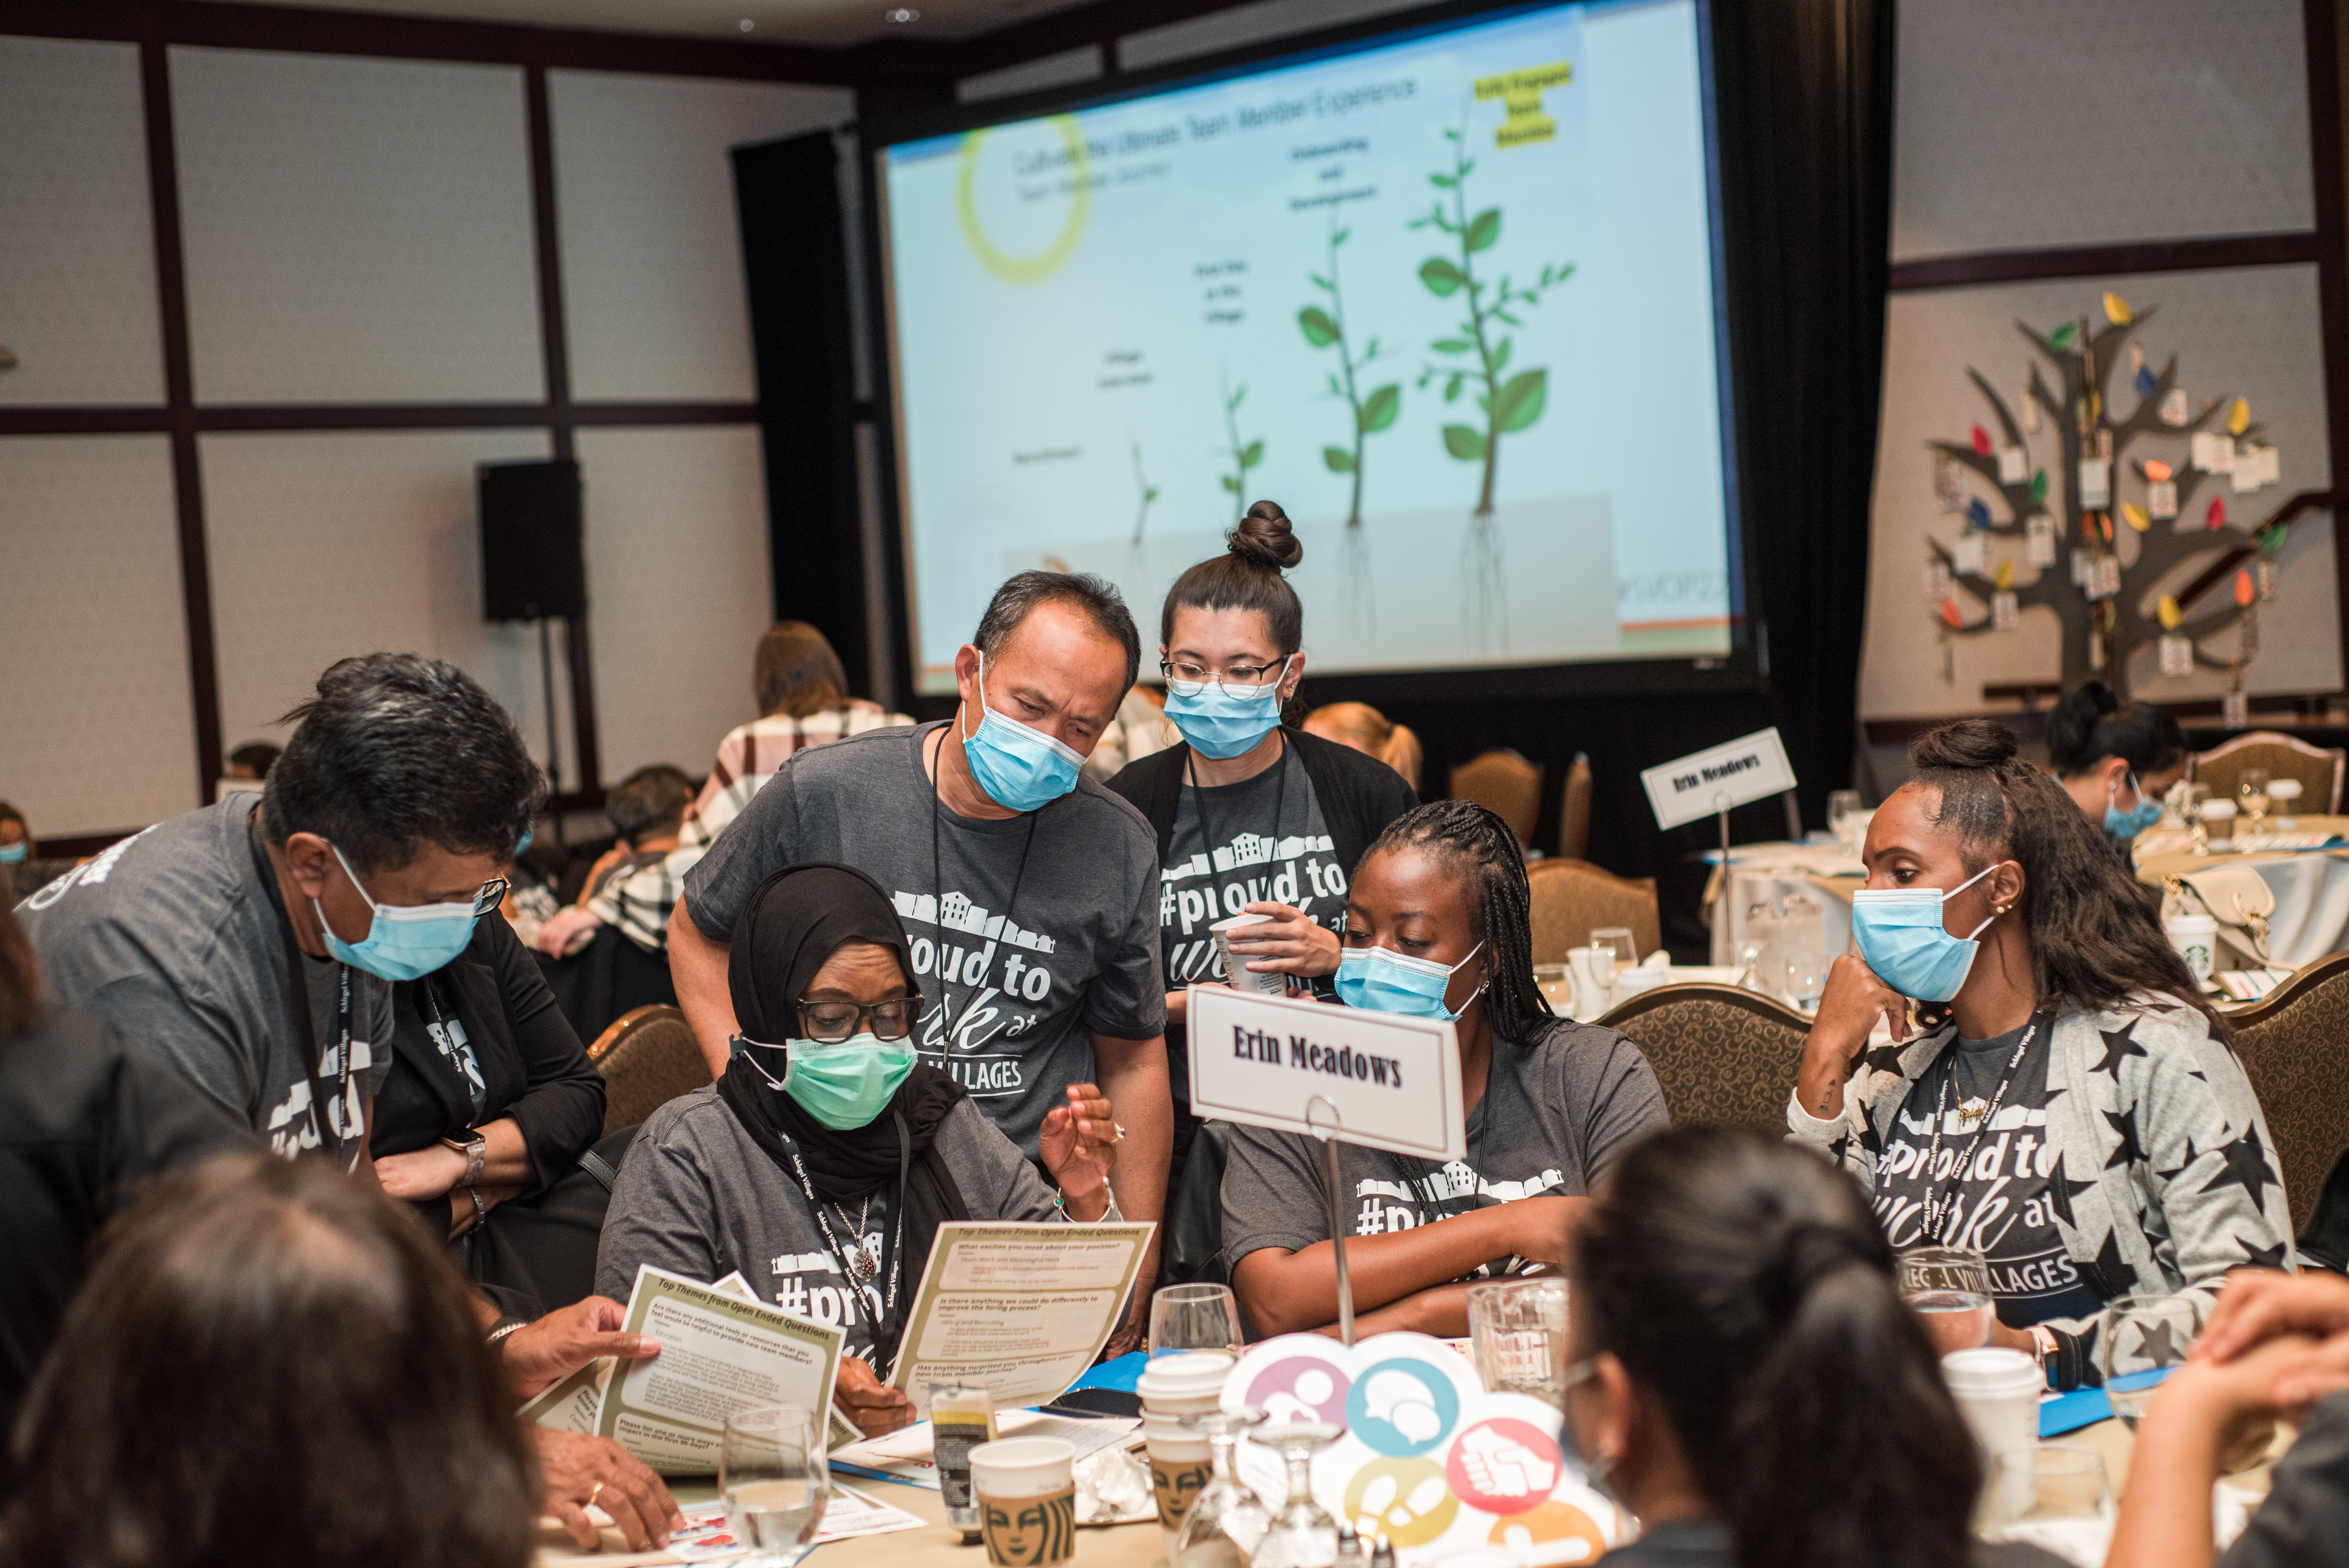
x=77, y=248
x=97, y=728
x=652, y=254
x=677, y=588
x=357, y=230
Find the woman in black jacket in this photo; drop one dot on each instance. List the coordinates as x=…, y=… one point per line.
x=490, y=1104
x=1252, y=817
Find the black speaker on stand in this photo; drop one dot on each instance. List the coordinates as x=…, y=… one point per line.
x=534, y=565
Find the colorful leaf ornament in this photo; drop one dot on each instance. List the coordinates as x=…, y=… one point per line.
x=1978, y=512
x=2038, y=486
x=2272, y=538
x=2169, y=613
x=2242, y=587
x=2063, y=336
x=2117, y=310
x=2004, y=576
x=2136, y=515
x=2214, y=516
x=2239, y=419
x=2145, y=381
x=1982, y=442
x=2156, y=471
x=1952, y=614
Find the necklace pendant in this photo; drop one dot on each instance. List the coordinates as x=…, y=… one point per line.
x=1971, y=1111
x=865, y=1259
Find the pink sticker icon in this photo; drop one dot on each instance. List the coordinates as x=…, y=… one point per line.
x=1302, y=1389
x=1503, y=1466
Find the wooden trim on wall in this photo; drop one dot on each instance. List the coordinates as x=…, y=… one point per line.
x=2100, y=260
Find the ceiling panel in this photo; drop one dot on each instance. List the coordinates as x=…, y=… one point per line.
x=836, y=23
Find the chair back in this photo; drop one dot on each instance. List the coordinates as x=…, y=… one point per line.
x=2318, y=767
x=2290, y=1044
x=1724, y=1057
x=1504, y=784
x=1573, y=898
x=1574, y=809
x=647, y=1057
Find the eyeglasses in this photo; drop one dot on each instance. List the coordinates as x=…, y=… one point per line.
x=1185, y=678
x=492, y=894
x=829, y=1023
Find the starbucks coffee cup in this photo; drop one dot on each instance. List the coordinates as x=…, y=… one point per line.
x=1180, y=1465
x=2196, y=937
x=1235, y=969
x=1999, y=1392
x=1025, y=1491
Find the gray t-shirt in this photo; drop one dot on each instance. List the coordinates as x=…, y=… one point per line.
x=1016, y=987
x=1553, y=1118
x=1242, y=857
x=699, y=1197
x=2003, y=1207
x=175, y=939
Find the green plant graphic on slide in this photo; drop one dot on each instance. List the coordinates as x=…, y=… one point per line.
x=1243, y=458
x=1373, y=411
x=1144, y=492
x=1480, y=353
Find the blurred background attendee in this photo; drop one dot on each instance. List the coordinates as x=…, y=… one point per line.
x=629, y=886
x=2116, y=758
x=84, y=1120
x=272, y=1365
x=253, y=759
x=1139, y=728
x=1745, y=1378
x=1367, y=730
x=22, y=870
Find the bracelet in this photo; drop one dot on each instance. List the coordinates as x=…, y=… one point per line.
x=503, y=1329
x=476, y=1150
x=481, y=1210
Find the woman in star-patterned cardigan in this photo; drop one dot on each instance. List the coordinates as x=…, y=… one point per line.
x=2077, y=1116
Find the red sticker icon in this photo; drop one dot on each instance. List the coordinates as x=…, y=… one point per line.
x=1503, y=1466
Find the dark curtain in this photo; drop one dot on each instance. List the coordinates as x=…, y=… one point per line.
x=1805, y=112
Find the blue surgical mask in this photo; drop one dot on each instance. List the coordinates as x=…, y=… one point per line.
x=844, y=1084
x=15, y=853
x=1902, y=939
x=1221, y=721
x=2120, y=824
x=1021, y=769
x=403, y=942
x=1385, y=981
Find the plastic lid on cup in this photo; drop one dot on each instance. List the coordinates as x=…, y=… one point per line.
x=1992, y=1373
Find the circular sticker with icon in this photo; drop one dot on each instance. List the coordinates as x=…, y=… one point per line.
x=1401, y=1408
x=1556, y=1532
x=1302, y=1389
x=1504, y=1465
x=1403, y=1500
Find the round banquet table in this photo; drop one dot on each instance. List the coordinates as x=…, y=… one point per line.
x=2311, y=886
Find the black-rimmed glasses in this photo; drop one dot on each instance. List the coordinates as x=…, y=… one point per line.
x=829, y=1023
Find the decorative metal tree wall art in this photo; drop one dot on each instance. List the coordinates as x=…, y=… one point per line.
x=2097, y=562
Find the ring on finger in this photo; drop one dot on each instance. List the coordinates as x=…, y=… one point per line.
x=592, y=1491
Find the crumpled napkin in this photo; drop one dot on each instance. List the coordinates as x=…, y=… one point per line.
x=1113, y=1488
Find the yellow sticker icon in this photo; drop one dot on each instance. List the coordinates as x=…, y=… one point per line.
x=2239, y=419
x=1520, y=93
x=2136, y=515
x=2004, y=576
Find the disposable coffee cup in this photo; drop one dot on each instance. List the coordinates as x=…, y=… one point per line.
x=1189, y=1384
x=1180, y=1464
x=2218, y=821
x=1026, y=1494
x=2196, y=937
x=1235, y=969
x=1998, y=1390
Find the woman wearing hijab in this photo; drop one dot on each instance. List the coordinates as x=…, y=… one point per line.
x=823, y=1161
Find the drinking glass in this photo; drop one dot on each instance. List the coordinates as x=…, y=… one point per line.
x=1194, y=1317
x=1302, y=1534
x=1949, y=1289
x=2145, y=1337
x=2251, y=785
x=772, y=1481
x=1763, y=968
x=1843, y=805
x=2053, y=1497
x=1612, y=951
x=1226, y=1520
x=1557, y=983
x=1517, y=1335
x=1801, y=947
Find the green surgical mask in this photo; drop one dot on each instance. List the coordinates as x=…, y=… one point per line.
x=843, y=1084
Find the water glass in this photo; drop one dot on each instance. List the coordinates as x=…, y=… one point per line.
x=1225, y=1522
x=1516, y=1333
x=774, y=1481
x=1843, y=805
x=2251, y=785
x=1302, y=1534
x=1195, y=1318
x=2145, y=1337
x=1949, y=1289
x=1763, y=967
x=2053, y=1497
x=1613, y=950
x=1556, y=983
x=1802, y=949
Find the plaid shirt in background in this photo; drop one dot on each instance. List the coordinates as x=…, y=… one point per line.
x=639, y=895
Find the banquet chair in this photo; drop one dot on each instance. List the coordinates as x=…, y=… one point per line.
x=1724, y=1057
x=1574, y=809
x=2319, y=768
x=1573, y=898
x=2290, y=1044
x=1504, y=784
x=647, y=1057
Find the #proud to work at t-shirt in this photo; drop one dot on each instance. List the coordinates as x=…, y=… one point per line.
x=1251, y=859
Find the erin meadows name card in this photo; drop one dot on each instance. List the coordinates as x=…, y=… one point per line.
x=1376, y=1080
x=1751, y=768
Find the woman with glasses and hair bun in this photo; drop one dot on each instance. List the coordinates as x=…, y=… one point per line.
x=1252, y=817
x=823, y=1161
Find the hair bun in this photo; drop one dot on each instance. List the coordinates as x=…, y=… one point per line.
x=1264, y=537
x=1972, y=743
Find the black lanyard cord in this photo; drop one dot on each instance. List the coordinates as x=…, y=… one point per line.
x=1939, y=1208
x=314, y=1061
x=938, y=890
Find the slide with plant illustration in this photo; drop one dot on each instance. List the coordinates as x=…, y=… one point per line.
x=1451, y=299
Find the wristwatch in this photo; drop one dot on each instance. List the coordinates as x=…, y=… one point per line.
x=476, y=1150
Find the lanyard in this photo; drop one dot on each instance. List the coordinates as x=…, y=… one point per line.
x=897, y=1246
x=318, y=1064
x=938, y=896
x=1939, y=1208
x=1199, y=805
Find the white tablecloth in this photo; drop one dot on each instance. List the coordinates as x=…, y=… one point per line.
x=2312, y=889
x=1764, y=874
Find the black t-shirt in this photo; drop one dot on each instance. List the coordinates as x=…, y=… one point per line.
x=2002, y=1207
x=1707, y=1543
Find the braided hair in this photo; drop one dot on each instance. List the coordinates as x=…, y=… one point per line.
x=1466, y=835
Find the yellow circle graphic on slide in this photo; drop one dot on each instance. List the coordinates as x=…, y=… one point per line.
x=1035, y=269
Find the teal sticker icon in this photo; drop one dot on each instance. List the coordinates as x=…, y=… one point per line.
x=1401, y=1408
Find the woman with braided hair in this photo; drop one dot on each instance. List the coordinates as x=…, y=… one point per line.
x=1438, y=926
x=1745, y=1379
